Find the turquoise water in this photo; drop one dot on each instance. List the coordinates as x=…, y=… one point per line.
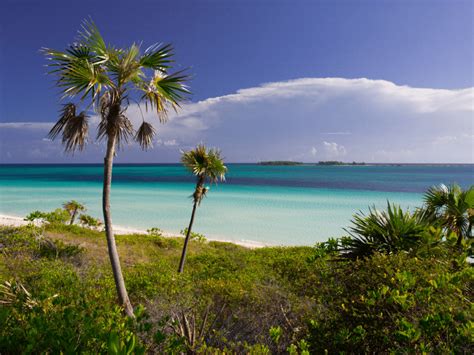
x=288, y=205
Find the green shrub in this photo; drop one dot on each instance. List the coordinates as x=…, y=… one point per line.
x=89, y=221
x=386, y=232
x=155, y=231
x=394, y=303
x=76, y=318
x=269, y=300
x=194, y=236
x=58, y=216
x=35, y=215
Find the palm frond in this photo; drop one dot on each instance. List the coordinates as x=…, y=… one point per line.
x=469, y=198
x=68, y=112
x=205, y=162
x=436, y=196
x=145, y=135
x=81, y=76
x=90, y=37
x=74, y=205
x=89, y=68
x=216, y=168
x=386, y=232
x=157, y=57
x=118, y=127
x=75, y=133
x=165, y=92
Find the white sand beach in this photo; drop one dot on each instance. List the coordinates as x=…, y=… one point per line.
x=15, y=221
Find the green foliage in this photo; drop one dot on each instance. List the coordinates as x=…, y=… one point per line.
x=275, y=334
x=89, y=221
x=328, y=248
x=31, y=242
x=194, y=235
x=394, y=303
x=452, y=208
x=155, y=232
x=73, y=320
x=89, y=71
x=73, y=208
x=298, y=300
x=386, y=232
x=58, y=216
x=35, y=216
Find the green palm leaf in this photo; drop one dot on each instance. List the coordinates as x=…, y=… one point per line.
x=205, y=165
x=157, y=57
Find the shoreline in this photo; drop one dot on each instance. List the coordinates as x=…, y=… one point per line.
x=16, y=221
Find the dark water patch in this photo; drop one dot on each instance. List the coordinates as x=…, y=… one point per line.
x=371, y=178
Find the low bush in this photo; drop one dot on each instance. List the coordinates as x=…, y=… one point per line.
x=394, y=303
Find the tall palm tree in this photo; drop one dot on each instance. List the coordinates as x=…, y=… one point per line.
x=452, y=207
x=205, y=164
x=73, y=207
x=95, y=75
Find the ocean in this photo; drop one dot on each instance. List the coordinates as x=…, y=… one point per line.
x=277, y=205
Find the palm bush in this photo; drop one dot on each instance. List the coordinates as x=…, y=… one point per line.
x=383, y=231
x=93, y=74
x=452, y=208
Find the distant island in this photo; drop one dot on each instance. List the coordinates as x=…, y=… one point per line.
x=289, y=162
x=280, y=162
x=334, y=162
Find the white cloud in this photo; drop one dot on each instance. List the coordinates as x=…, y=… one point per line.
x=343, y=133
x=334, y=150
x=170, y=143
x=374, y=120
x=27, y=125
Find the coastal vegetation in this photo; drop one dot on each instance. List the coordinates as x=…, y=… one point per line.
x=411, y=292
x=290, y=162
x=208, y=166
x=280, y=162
x=335, y=162
x=74, y=208
x=94, y=75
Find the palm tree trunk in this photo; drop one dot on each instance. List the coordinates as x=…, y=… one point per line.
x=73, y=217
x=186, y=240
x=112, y=247
x=460, y=238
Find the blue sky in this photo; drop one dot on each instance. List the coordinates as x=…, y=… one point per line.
x=303, y=80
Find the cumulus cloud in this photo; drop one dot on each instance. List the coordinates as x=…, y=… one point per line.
x=347, y=119
x=334, y=150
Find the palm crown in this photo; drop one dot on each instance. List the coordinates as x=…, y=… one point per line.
x=205, y=164
x=453, y=207
x=112, y=77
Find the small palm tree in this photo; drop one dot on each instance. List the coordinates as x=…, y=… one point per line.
x=205, y=165
x=384, y=232
x=96, y=75
x=73, y=207
x=451, y=207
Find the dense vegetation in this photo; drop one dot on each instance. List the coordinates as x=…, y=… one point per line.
x=335, y=162
x=280, y=162
x=57, y=292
